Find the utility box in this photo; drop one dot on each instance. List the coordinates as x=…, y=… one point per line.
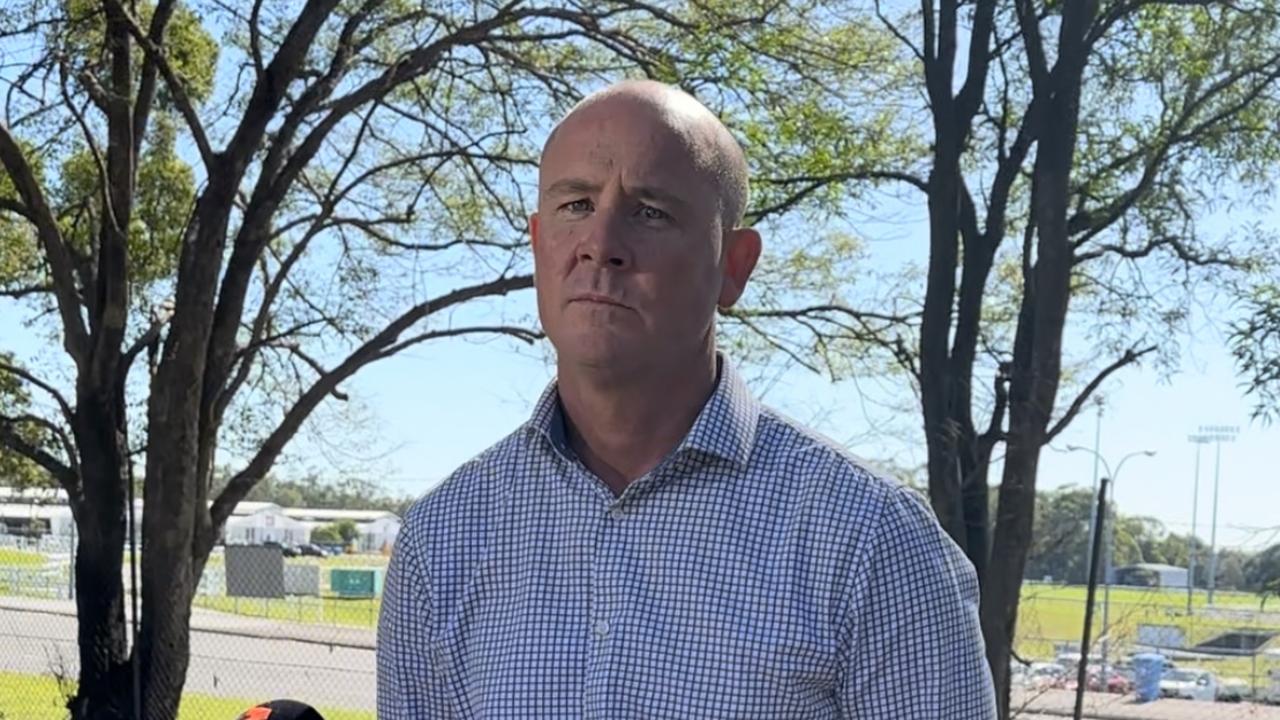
x=302, y=580
x=356, y=582
x=254, y=571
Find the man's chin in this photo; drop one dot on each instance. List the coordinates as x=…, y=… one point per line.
x=601, y=355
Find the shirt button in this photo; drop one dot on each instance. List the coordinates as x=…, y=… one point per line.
x=617, y=513
x=601, y=628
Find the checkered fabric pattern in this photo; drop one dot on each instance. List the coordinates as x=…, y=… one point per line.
x=757, y=572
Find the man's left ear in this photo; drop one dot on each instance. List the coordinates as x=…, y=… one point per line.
x=741, y=251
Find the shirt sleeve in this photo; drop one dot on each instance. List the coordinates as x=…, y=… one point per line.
x=912, y=646
x=408, y=686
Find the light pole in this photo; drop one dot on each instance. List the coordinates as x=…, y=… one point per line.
x=1108, y=527
x=1219, y=434
x=1199, y=439
x=1093, y=498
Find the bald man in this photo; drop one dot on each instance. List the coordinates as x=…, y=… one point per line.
x=653, y=542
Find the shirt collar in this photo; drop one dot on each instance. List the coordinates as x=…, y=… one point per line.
x=725, y=427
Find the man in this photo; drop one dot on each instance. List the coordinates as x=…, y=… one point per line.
x=653, y=543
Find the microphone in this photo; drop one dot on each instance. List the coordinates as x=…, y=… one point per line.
x=281, y=710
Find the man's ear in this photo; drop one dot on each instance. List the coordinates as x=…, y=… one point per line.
x=741, y=251
x=533, y=231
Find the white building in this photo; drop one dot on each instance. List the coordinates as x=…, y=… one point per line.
x=1152, y=575
x=378, y=528
x=35, y=520
x=255, y=523
x=40, y=517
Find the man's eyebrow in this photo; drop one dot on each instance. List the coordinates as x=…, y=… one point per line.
x=661, y=195
x=581, y=186
x=572, y=186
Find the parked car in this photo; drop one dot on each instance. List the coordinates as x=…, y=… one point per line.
x=1190, y=684
x=1017, y=673
x=286, y=550
x=1115, y=680
x=1044, y=675
x=312, y=550
x=1271, y=695
x=1234, y=689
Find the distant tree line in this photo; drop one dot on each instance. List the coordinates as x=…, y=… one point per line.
x=1059, y=547
x=312, y=491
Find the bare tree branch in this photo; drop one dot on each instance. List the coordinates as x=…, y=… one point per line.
x=159, y=318
x=19, y=372
x=21, y=292
x=814, y=183
x=1130, y=356
x=897, y=33
x=12, y=439
x=372, y=350
x=1174, y=244
x=15, y=207
x=522, y=334
x=156, y=59
x=61, y=267
x=147, y=83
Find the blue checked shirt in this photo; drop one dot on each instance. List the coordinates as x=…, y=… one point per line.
x=757, y=572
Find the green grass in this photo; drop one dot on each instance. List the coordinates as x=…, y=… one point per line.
x=318, y=611
x=1054, y=613
x=20, y=558
x=37, y=697
x=358, y=560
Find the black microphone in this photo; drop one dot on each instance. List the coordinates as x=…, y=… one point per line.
x=281, y=710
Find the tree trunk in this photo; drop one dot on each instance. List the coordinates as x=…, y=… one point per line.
x=167, y=582
x=166, y=633
x=935, y=332
x=100, y=598
x=1037, y=360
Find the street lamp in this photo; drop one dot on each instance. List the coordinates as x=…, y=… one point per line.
x=1108, y=528
x=1217, y=434
x=1199, y=439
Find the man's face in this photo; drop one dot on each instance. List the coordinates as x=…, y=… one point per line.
x=627, y=240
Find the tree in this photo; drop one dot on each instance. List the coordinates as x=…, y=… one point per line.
x=347, y=530
x=312, y=492
x=1262, y=572
x=1072, y=147
x=1059, y=548
x=326, y=534
x=1255, y=344
x=360, y=187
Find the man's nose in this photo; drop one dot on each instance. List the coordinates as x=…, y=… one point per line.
x=606, y=242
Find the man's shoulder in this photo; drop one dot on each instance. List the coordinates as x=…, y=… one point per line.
x=826, y=471
x=470, y=491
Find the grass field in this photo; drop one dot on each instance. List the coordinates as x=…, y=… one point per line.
x=36, y=697
x=1050, y=614
x=361, y=612
x=20, y=558
x=372, y=560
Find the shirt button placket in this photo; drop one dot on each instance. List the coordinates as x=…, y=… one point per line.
x=607, y=566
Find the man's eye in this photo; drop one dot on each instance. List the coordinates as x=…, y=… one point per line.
x=652, y=213
x=578, y=206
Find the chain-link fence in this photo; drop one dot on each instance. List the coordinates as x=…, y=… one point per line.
x=1233, y=646
x=264, y=626
x=267, y=626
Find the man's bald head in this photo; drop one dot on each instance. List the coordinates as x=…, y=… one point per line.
x=712, y=147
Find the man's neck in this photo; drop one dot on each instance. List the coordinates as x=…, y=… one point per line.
x=622, y=429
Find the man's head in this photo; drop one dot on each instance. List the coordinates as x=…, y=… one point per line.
x=636, y=239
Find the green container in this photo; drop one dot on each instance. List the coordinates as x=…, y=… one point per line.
x=356, y=582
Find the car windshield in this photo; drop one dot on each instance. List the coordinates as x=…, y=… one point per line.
x=1183, y=675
